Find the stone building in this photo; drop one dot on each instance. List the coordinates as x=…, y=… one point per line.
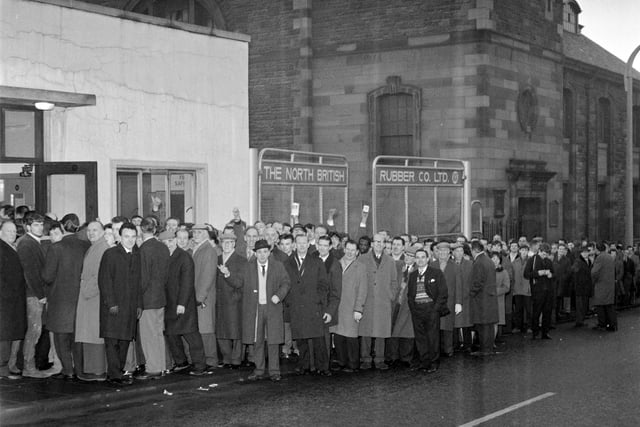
x=510, y=85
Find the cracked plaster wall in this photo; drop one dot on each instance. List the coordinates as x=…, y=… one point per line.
x=163, y=96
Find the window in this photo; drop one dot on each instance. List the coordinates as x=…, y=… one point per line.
x=394, y=119
x=554, y=213
x=199, y=12
x=570, y=20
x=21, y=136
x=568, y=116
x=498, y=203
x=605, y=141
x=396, y=125
x=158, y=192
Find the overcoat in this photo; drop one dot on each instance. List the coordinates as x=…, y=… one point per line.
x=603, y=278
x=88, y=311
x=180, y=291
x=581, y=277
x=403, y=325
x=205, y=259
x=382, y=283
x=454, y=293
x=154, y=264
x=484, y=304
x=352, y=298
x=61, y=274
x=463, y=276
x=562, y=274
x=308, y=297
x=277, y=284
x=31, y=255
x=229, y=298
x=521, y=284
x=503, y=283
x=13, y=295
x=119, y=283
x=334, y=275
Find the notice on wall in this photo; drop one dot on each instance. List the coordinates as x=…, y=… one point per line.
x=273, y=172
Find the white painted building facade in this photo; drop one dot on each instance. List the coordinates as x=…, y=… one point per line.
x=157, y=109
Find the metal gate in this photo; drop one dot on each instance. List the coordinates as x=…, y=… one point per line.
x=422, y=196
x=318, y=182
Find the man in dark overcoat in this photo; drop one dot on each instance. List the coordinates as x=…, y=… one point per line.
x=31, y=255
x=307, y=301
x=13, y=301
x=265, y=283
x=120, y=301
x=484, y=300
x=540, y=272
x=154, y=264
x=581, y=277
x=180, y=317
x=334, y=275
x=61, y=274
x=427, y=299
x=229, y=300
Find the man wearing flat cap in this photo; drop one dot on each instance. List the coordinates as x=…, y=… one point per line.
x=181, y=318
x=454, y=298
x=265, y=283
x=229, y=302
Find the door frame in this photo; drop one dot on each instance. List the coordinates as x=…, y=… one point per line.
x=90, y=171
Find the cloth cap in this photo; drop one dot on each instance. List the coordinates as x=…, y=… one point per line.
x=200, y=227
x=443, y=245
x=411, y=251
x=227, y=236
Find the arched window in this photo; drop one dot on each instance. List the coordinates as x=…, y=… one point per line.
x=394, y=119
x=198, y=12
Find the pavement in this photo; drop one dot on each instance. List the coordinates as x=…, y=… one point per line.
x=21, y=399
x=25, y=400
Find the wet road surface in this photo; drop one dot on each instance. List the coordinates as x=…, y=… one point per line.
x=582, y=378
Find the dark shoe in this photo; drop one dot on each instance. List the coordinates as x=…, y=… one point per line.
x=199, y=373
x=365, y=365
x=120, y=381
x=46, y=366
x=415, y=367
x=275, y=378
x=612, y=328
x=382, y=366
x=65, y=377
x=247, y=364
x=326, y=373
x=140, y=369
x=546, y=337
x=234, y=367
x=432, y=368
x=211, y=368
x=181, y=367
x=348, y=370
x=300, y=371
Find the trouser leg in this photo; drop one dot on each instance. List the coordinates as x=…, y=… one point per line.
x=321, y=357
x=392, y=349
x=64, y=347
x=174, y=342
x=581, y=308
x=210, y=349
x=152, y=337
x=446, y=342
x=406, y=349
x=274, y=359
x=34, y=329
x=225, y=346
x=258, y=346
x=196, y=350
x=365, y=350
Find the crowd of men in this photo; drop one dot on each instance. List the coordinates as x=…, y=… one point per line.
x=139, y=297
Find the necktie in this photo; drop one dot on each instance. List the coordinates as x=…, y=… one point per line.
x=300, y=265
x=264, y=272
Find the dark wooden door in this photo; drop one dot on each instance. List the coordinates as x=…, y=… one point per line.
x=531, y=216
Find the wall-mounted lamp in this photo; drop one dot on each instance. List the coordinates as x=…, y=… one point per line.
x=44, y=106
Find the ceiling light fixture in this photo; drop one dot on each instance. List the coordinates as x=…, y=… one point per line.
x=44, y=106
